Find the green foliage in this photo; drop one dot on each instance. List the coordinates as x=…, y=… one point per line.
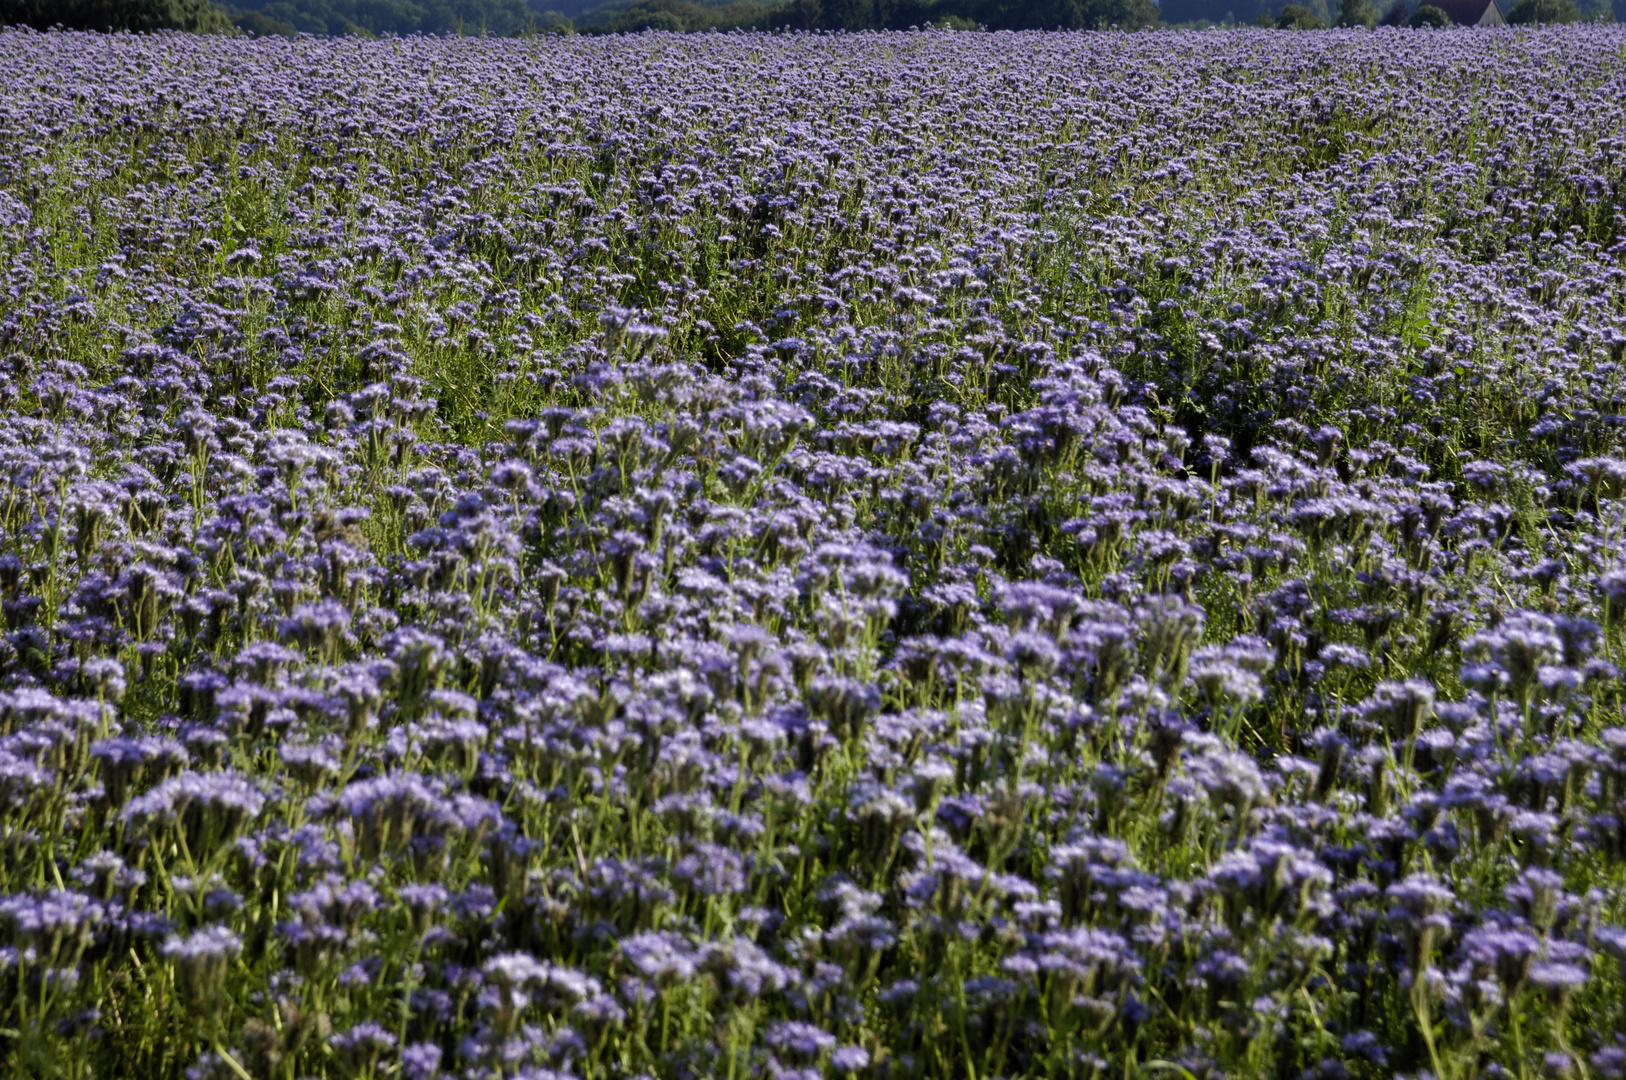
x=1066, y=14
x=507, y=18
x=965, y=14
x=1547, y=12
x=1429, y=16
x=515, y=17
x=261, y=25
x=848, y=14
x=196, y=16
x=499, y=18
x=685, y=16
x=1199, y=13
x=1357, y=13
x=553, y=22
x=1297, y=17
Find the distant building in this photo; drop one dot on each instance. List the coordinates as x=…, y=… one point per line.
x=1473, y=12
x=1460, y=12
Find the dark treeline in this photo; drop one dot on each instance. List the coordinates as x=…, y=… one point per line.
x=197, y=16
x=966, y=14
x=878, y=15
x=505, y=18
x=1318, y=14
x=499, y=18
x=517, y=17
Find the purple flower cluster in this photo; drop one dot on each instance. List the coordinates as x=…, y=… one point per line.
x=898, y=555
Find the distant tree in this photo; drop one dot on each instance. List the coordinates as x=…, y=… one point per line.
x=1066, y=14
x=679, y=16
x=197, y=16
x=499, y=18
x=1430, y=16
x=655, y=19
x=261, y=25
x=848, y=14
x=1123, y=14
x=1298, y=17
x=553, y=22
x=902, y=14
x=1357, y=13
x=1530, y=12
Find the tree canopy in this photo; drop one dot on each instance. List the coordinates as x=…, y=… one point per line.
x=1298, y=17
x=512, y=17
x=197, y=16
x=1357, y=13
x=1530, y=12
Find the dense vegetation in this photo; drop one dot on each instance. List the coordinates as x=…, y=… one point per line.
x=507, y=18
x=1544, y=12
x=195, y=16
x=893, y=555
x=1388, y=12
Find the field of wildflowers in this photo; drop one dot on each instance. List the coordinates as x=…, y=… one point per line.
x=920, y=555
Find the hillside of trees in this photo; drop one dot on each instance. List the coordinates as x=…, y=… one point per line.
x=197, y=16
x=1308, y=14
x=501, y=18
x=513, y=17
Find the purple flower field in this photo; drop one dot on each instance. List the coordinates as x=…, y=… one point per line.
x=794, y=556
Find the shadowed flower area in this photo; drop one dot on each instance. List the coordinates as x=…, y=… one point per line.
x=881, y=555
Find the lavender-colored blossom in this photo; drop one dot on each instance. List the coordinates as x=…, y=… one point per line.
x=200, y=963
x=802, y=554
